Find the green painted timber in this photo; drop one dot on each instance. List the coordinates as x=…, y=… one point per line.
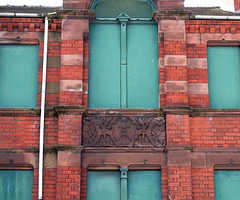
x=104, y=70
x=123, y=71
x=19, y=75
x=224, y=77
x=124, y=183
x=16, y=184
x=144, y=185
x=103, y=185
x=123, y=18
x=133, y=8
x=142, y=63
x=227, y=184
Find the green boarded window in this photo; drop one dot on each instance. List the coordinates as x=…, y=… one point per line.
x=103, y=185
x=227, y=184
x=123, y=56
x=224, y=77
x=133, y=8
x=144, y=185
x=141, y=185
x=18, y=75
x=16, y=184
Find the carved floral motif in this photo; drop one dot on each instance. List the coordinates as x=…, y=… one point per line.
x=124, y=132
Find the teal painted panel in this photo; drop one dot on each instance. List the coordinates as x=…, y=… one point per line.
x=104, y=70
x=227, y=184
x=142, y=65
x=16, y=184
x=224, y=77
x=103, y=185
x=144, y=185
x=133, y=8
x=18, y=75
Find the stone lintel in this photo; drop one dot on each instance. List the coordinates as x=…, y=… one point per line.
x=69, y=158
x=198, y=160
x=227, y=159
x=179, y=158
x=219, y=37
x=23, y=35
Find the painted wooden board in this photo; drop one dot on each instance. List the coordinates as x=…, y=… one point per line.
x=19, y=75
x=227, y=184
x=16, y=184
x=224, y=77
x=103, y=185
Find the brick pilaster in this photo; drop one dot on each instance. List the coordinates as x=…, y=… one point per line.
x=72, y=61
x=172, y=61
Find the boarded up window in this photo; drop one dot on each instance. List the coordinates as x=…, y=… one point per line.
x=227, y=184
x=106, y=185
x=18, y=75
x=16, y=184
x=224, y=77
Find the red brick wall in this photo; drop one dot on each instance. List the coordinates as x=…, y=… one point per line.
x=84, y=184
x=68, y=183
x=177, y=130
x=49, y=183
x=179, y=182
x=203, y=184
x=215, y=131
x=24, y=131
x=69, y=130
x=164, y=172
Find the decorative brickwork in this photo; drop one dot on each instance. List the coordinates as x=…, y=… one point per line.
x=28, y=24
x=124, y=132
x=212, y=26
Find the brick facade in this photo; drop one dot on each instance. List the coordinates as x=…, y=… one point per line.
x=197, y=138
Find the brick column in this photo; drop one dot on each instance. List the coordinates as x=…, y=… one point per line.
x=69, y=153
x=178, y=157
x=71, y=73
x=172, y=60
x=68, y=175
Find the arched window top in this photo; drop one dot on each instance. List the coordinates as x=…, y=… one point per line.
x=113, y=8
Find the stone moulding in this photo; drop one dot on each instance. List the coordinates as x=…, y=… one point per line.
x=145, y=132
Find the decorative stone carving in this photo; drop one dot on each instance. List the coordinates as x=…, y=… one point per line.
x=124, y=132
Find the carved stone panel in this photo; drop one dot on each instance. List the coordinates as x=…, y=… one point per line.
x=124, y=132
